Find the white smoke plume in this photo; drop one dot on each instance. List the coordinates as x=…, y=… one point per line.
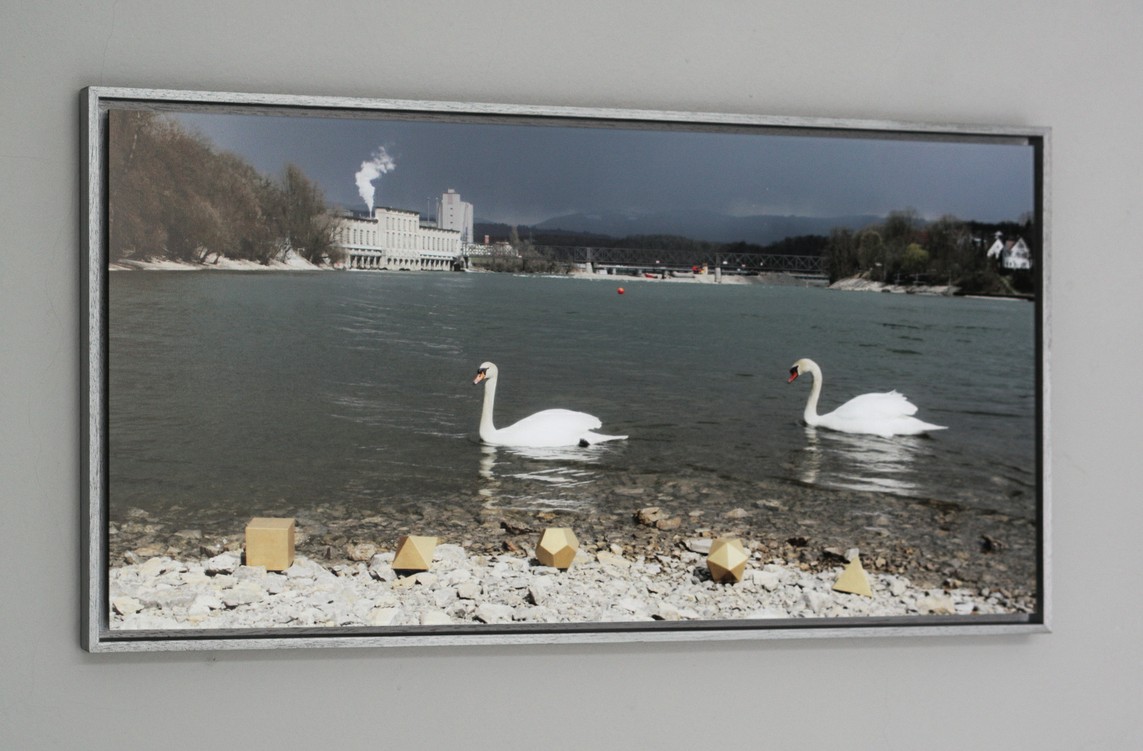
x=378, y=165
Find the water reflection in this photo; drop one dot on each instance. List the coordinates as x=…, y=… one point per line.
x=861, y=462
x=537, y=478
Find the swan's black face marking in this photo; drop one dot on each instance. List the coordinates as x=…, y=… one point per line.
x=793, y=374
x=480, y=376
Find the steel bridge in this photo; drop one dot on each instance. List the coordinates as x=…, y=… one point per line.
x=649, y=260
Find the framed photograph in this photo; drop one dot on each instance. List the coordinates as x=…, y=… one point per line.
x=763, y=377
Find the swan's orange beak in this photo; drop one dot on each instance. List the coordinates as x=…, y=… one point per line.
x=793, y=375
x=480, y=376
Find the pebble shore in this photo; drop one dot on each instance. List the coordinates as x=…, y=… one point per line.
x=462, y=588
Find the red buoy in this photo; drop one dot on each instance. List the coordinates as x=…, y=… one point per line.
x=621, y=290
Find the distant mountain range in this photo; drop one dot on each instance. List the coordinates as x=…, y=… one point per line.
x=711, y=226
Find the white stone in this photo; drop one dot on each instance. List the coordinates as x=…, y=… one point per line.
x=638, y=607
x=936, y=605
x=700, y=545
x=204, y=604
x=468, y=590
x=450, y=552
x=126, y=605
x=153, y=567
x=965, y=608
x=194, y=578
x=540, y=589
x=611, y=559
x=172, y=598
x=444, y=597
x=384, y=616
x=435, y=618
x=256, y=573
x=768, y=580
x=816, y=601
x=426, y=579
x=224, y=563
x=456, y=576
x=490, y=612
x=244, y=593
x=361, y=551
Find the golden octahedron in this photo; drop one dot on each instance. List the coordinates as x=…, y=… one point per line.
x=414, y=553
x=727, y=560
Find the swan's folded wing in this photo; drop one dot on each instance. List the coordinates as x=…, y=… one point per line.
x=876, y=406
x=551, y=427
x=560, y=420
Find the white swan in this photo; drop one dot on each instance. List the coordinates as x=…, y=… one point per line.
x=549, y=428
x=885, y=415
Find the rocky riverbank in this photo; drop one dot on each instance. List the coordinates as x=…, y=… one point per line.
x=689, y=278
x=644, y=564
x=462, y=588
x=861, y=284
x=216, y=262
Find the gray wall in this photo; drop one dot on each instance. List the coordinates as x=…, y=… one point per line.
x=1074, y=67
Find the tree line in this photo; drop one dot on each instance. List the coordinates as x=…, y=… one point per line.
x=173, y=196
x=947, y=251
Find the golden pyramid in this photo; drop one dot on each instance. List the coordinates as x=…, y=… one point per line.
x=853, y=579
x=414, y=553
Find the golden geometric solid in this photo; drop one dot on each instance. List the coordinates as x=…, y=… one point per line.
x=727, y=560
x=414, y=553
x=270, y=543
x=557, y=547
x=853, y=579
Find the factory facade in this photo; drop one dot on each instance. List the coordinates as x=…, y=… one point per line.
x=399, y=240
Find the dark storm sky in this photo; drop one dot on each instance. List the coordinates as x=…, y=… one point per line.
x=521, y=174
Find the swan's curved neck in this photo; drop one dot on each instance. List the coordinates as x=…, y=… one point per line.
x=811, y=414
x=487, y=429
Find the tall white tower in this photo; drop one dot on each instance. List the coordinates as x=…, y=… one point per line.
x=455, y=214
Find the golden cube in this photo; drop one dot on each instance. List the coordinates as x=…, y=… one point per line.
x=727, y=560
x=414, y=553
x=557, y=547
x=270, y=543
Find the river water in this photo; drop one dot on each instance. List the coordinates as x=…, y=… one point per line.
x=239, y=394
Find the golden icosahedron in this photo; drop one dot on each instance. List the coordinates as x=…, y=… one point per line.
x=727, y=560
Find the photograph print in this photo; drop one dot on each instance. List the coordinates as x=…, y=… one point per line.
x=387, y=372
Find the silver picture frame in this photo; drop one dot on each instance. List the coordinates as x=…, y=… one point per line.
x=98, y=633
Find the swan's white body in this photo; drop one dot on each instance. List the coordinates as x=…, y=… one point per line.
x=886, y=415
x=546, y=429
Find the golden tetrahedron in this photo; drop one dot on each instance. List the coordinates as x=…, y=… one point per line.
x=557, y=547
x=727, y=560
x=270, y=543
x=414, y=553
x=853, y=579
